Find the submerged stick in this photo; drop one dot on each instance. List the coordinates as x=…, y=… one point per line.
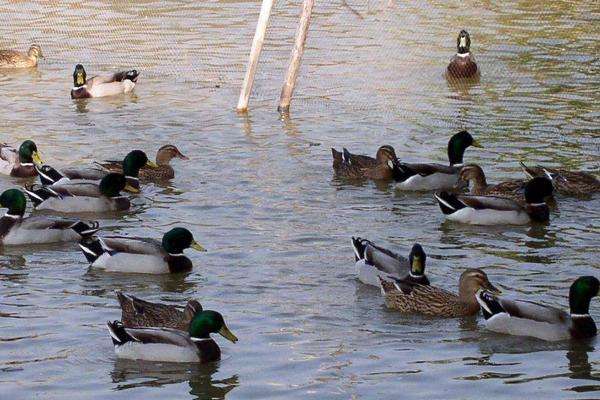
x=257, y=44
x=292, y=72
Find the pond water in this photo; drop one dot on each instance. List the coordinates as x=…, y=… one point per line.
x=259, y=193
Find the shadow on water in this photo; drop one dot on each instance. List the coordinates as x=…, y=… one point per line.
x=128, y=374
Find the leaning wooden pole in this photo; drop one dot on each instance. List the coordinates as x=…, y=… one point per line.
x=257, y=44
x=294, y=67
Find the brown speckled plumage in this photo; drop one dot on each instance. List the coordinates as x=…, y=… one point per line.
x=473, y=174
x=565, y=182
x=164, y=172
x=140, y=313
x=354, y=166
x=17, y=59
x=434, y=301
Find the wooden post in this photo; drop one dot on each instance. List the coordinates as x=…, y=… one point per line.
x=257, y=44
x=292, y=72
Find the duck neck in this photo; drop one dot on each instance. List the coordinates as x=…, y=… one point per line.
x=163, y=158
x=479, y=183
x=455, y=152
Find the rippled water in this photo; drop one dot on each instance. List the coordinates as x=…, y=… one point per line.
x=259, y=194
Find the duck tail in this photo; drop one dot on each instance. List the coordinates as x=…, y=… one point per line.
x=38, y=194
x=131, y=75
x=118, y=333
x=388, y=286
x=92, y=248
x=86, y=228
x=448, y=202
x=337, y=158
x=48, y=175
x=489, y=304
x=360, y=247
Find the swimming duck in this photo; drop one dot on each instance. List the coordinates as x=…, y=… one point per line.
x=17, y=59
x=163, y=171
x=373, y=262
x=353, y=166
x=19, y=163
x=131, y=165
x=172, y=345
x=101, y=86
x=568, y=183
x=526, y=318
x=414, y=176
x=16, y=229
x=463, y=65
x=473, y=174
x=83, y=196
x=434, y=301
x=491, y=210
x=141, y=313
x=141, y=255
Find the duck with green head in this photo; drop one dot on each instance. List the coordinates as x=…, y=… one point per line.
x=102, y=86
x=374, y=262
x=141, y=255
x=172, y=345
x=10, y=59
x=462, y=65
x=16, y=229
x=132, y=163
x=82, y=197
x=526, y=318
x=431, y=176
x=19, y=163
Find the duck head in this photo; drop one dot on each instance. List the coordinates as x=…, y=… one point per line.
x=416, y=259
x=135, y=160
x=15, y=201
x=166, y=153
x=28, y=153
x=79, y=76
x=463, y=42
x=457, y=145
x=206, y=322
x=472, y=173
x=35, y=52
x=581, y=293
x=538, y=189
x=177, y=240
x=387, y=155
x=113, y=184
x=473, y=280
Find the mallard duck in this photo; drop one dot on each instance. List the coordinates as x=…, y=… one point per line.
x=474, y=175
x=101, y=86
x=568, y=183
x=141, y=255
x=19, y=163
x=373, y=262
x=131, y=165
x=415, y=176
x=491, y=210
x=17, y=59
x=82, y=197
x=172, y=345
x=163, y=171
x=526, y=318
x=463, y=65
x=353, y=166
x=140, y=313
x=434, y=301
x=16, y=229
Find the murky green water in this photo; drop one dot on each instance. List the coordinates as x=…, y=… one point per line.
x=259, y=194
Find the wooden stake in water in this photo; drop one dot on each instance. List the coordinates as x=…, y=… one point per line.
x=257, y=44
x=292, y=72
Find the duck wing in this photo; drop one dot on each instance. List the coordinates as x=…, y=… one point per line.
x=133, y=245
x=93, y=173
x=430, y=168
x=359, y=160
x=492, y=305
x=489, y=202
x=8, y=154
x=136, y=312
x=160, y=335
x=386, y=260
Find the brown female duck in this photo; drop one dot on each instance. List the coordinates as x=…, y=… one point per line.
x=163, y=172
x=565, y=182
x=434, y=301
x=140, y=313
x=473, y=175
x=463, y=63
x=17, y=59
x=355, y=166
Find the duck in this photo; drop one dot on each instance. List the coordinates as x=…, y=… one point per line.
x=566, y=182
x=434, y=301
x=19, y=163
x=163, y=170
x=130, y=167
x=17, y=59
x=354, y=166
x=102, y=86
x=172, y=345
x=141, y=255
x=526, y=318
x=474, y=176
x=373, y=262
x=431, y=176
x=493, y=210
x=463, y=64
x=82, y=197
x=136, y=312
x=16, y=229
